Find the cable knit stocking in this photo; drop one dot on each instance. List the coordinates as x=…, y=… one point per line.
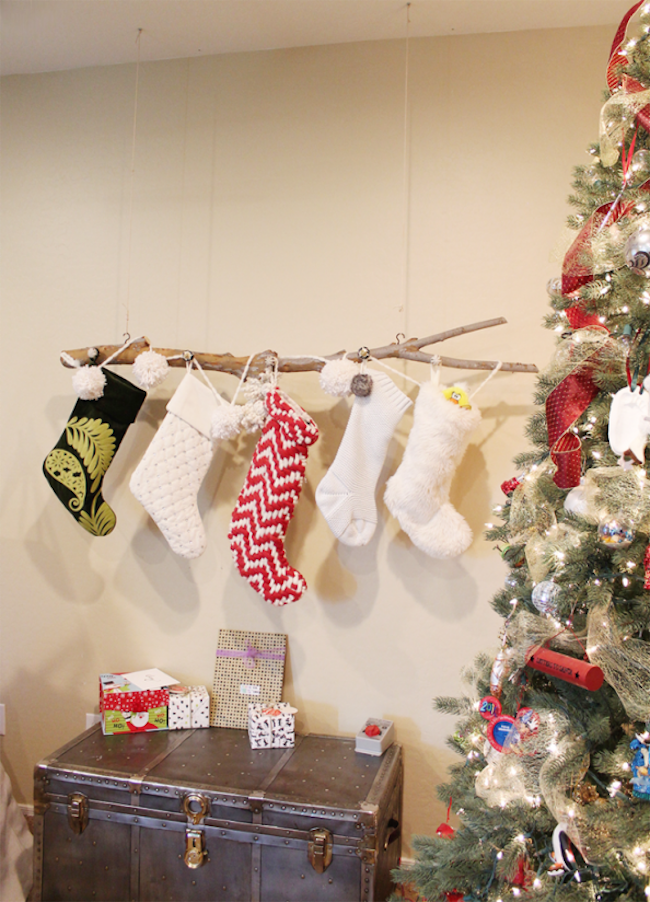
x=167, y=479
x=418, y=494
x=267, y=501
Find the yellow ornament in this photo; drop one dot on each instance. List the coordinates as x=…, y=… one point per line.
x=457, y=395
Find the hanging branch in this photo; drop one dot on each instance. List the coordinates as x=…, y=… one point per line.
x=408, y=349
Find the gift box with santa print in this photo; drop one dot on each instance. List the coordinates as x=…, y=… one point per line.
x=134, y=702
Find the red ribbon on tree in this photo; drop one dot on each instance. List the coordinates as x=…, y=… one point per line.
x=566, y=404
x=616, y=79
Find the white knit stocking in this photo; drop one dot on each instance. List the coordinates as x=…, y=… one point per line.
x=418, y=494
x=346, y=494
x=167, y=479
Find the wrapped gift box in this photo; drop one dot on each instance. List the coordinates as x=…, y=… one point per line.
x=127, y=708
x=249, y=669
x=374, y=737
x=272, y=727
x=189, y=707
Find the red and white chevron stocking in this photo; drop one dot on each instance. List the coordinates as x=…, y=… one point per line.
x=268, y=499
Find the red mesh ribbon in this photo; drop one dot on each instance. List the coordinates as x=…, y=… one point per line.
x=564, y=406
x=616, y=78
x=577, y=267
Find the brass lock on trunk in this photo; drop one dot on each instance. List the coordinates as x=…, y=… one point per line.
x=78, y=812
x=319, y=850
x=194, y=848
x=195, y=806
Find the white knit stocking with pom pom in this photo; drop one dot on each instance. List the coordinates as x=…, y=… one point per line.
x=418, y=494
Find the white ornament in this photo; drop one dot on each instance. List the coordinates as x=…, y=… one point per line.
x=337, y=375
x=88, y=382
x=149, y=369
x=579, y=501
x=629, y=421
x=226, y=422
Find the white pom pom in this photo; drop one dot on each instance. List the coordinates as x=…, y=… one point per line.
x=149, y=369
x=254, y=415
x=88, y=382
x=226, y=422
x=336, y=376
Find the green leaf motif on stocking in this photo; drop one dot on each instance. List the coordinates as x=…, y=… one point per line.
x=66, y=469
x=94, y=441
x=100, y=522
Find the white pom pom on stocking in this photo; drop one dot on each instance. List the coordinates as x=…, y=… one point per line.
x=418, y=493
x=150, y=369
x=167, y=479
x=89, y=382
x=226, y=422
x=337, y=375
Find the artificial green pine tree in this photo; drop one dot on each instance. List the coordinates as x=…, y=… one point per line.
x=552, y=792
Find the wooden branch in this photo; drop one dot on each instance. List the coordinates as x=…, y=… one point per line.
x=408, y=349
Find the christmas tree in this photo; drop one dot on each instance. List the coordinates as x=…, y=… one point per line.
x=552, y=791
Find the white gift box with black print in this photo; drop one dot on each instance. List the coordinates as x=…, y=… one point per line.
x=272, y=727
x=189, y=707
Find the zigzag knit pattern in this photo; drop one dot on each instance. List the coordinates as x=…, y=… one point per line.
x=268, y=499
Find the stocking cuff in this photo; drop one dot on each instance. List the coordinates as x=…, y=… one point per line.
x=194, y=403
x=121, y=400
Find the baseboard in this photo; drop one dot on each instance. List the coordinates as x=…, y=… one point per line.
x=406, y=862
x=27, y=810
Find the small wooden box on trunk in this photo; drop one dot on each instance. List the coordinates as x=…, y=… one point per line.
x=197, y=816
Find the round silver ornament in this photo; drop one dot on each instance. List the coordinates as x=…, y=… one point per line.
x=615, y=533
x=554, y=287
x=637, y=251
x=361, y=385
x=639, y=171
x=544, y=596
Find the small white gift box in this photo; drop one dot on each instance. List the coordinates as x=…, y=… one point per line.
x=272, y=726
x=374, y=737
x=189, y=707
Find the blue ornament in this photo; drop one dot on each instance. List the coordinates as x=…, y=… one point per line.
x=640, y=768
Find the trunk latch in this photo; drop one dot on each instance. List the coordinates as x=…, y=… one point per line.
x=194, y=849
x=319, y=850
x=77, y=812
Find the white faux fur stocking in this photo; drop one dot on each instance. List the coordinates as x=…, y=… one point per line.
x=418, y=494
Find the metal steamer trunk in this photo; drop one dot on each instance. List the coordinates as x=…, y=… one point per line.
x=198, y=815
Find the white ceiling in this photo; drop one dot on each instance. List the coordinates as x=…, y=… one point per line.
x=49, y=35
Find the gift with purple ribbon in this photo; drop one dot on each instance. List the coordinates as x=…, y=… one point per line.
x=249, y=668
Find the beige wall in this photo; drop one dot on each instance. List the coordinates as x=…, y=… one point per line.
x=268, y=212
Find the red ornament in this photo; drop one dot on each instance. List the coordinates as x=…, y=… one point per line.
x=445, y=830
x=489, y=707
x=454, y=897
x=372, y=730
x=523, y=876
x=510, y=485
x=573, y=670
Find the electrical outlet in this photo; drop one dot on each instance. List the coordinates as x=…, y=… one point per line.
x=92, y=719
x=2, y=720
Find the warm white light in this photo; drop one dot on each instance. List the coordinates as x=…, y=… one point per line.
x=596, y=454
x=499, y=855
x=516, y=891
x=520, y=838
x=614, y=787
x=537, y=883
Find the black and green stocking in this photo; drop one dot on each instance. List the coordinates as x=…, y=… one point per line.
x=76, y=466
